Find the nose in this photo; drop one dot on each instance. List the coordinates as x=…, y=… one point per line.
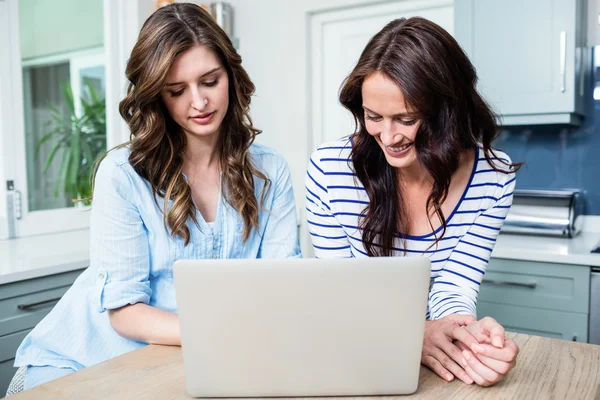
x=199, y=102
x=389, y=134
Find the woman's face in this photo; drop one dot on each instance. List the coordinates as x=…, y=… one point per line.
x=196, y=92
x=388, y=120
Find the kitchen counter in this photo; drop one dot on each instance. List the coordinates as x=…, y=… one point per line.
x=36, y=256
x=546, y=369
x=549, y=249
x=574, y=251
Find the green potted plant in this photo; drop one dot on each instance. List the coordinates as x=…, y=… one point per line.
x=82, y=139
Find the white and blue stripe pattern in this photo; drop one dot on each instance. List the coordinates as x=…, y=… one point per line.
x=335, y=199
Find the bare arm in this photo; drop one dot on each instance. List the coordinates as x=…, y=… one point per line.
x=147, y=324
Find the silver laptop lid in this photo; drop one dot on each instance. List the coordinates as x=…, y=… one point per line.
x=302, y=327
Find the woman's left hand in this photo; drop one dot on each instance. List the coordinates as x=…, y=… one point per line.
x=497, y=355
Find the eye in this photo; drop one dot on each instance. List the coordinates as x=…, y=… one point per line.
x=177, y=93
x=211, y=83
x=407, y=122
x=374, y=119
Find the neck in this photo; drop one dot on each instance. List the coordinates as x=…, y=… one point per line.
x=201, y=153
x=414, y=176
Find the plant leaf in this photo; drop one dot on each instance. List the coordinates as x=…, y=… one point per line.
x=75, y=160
x=68, y=93
x=82, y=138
x=53, y=152
x=87, y=152
x=63, y=174
x=43, y=140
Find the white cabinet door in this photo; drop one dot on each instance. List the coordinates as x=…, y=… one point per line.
x=528, y=54
x=337, y=40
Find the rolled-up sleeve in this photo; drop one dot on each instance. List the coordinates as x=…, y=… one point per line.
x=119, y=254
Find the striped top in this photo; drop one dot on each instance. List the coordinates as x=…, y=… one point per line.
x=335, y=198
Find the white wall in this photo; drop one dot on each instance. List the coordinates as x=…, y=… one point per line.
x=123, y=21
x=59, y=26
x=273, y=42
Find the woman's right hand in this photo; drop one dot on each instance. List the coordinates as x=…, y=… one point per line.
x=441, y=354
x=498, y=357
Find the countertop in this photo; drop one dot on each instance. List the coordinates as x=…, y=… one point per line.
x=546, y=369
x=36, y=256
x=574, y=251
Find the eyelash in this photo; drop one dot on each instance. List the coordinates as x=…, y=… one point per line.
x=208, y=84
x=406, y=123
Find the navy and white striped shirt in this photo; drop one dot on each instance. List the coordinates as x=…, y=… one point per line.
x=335, y=198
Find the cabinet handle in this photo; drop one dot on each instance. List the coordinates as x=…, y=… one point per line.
x=563, y=61
x=39, y=303
x=530, y=285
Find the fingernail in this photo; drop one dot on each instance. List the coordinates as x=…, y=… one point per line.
x=449, y=377
x=466, y=355
x=478, y=349
x=469, y=380
x=497, y=341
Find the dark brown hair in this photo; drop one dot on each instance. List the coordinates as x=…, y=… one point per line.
x=158, y=143
x=437, y=81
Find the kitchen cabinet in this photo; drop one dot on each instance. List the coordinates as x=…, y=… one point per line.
x=531, y=57
x=22, y=305
x=537, y=298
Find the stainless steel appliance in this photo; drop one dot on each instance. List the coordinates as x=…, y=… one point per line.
x=223, y=13
x=545, y=212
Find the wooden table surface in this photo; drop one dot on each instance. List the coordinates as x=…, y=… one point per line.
x=546, y=369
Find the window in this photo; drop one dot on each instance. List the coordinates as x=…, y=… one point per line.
x=52, y=112
x=46, y=108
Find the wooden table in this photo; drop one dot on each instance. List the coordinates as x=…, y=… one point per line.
x=547, y=369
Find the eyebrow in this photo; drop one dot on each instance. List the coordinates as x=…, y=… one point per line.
x=406, y=114
x=203, y=75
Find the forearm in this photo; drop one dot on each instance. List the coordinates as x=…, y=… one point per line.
x=147, y=324
x=443, y=303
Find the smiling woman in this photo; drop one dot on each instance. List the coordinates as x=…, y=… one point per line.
x=190, y=184
x=419, y=177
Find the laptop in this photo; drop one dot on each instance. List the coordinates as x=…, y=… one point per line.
x=302, y=327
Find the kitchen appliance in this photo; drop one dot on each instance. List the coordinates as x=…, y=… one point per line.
x=223, y=13
x=545, y=212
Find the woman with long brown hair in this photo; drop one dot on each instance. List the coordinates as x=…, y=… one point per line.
x=420, y=177
x=189, y=184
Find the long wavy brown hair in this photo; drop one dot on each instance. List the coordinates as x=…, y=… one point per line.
x=157, y=143
x=439, y=82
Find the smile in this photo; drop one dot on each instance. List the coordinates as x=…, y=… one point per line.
x=399, y=148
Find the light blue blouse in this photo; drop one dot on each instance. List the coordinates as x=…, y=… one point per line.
x=131, y=258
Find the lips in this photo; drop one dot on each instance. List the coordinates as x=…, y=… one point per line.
x=399, y=148
x=201, y=116
x=399, y=151
x=204, y=118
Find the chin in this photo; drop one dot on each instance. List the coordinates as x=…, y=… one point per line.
x=204, y=131
x=403, y=162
